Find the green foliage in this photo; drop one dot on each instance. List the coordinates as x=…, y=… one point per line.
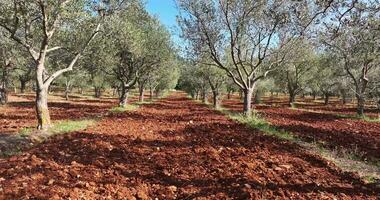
x=63, y=126
x=257, y=122
x=66, y=126
x=128, y=107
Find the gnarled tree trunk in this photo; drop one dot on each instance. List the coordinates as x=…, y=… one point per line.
x=151, y=93
x=360, y=105
x=123, y=100
x=42, y=110
x=216, y=99
x=204, y=96
x=247, y=103
x=141, y=93
x=98, y=92
x=327, y=98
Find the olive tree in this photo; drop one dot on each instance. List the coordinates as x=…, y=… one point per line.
x=298, y=69
x=39, y=26
x=353, y=35
x=254, y=34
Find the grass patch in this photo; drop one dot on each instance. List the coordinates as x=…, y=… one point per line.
x=25, y=132
x=64, y=126
x=257, y=122
x=67, y=126
x=342, y=116
x=11, y=152
x=128, y=107
x=358, y=117
x=144, y=102
x=347, y=160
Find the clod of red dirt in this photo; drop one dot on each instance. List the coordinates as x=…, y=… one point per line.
x=155, y=153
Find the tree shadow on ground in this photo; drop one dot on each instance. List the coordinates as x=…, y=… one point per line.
x=213, y=158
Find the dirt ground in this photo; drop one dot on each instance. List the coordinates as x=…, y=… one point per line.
x=357, y=136
x=335, y=105
x=20, y=111
x=173, y=149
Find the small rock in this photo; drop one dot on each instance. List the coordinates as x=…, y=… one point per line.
x=286, y=166
x=142, y=195
x=172, y=188
x=278, y=169
x=51, y=181
x=166, y=172
x=247, y=186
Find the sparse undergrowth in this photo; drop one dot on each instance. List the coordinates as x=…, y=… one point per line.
x=26, y=137
x=365, y=118
x=14, y=144
x=60, y=127
x=343, y=116
x=128, y=107
x=257, y=122
x=347, y=160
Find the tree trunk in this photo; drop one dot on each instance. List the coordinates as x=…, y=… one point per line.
x=43, y=115
x=314, y=96
x=22, y=86
x=197, y=96
x=216, y=99
x=327, y=98
x=114, y=91
x=360, y=105
x=141, y=94
x=247, y=101
x=292, y=98
x=98, y=92
x=4, y=87
x=123, y=97
x=67, y=94
x=229, y=95
x=343, y=96
x=204, y=96
x=3, y=96
x=151, y=91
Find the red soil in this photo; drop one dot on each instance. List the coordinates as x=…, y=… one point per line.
x=173, y=149
x=21, y=113
x=335, y=106
x=330, y=130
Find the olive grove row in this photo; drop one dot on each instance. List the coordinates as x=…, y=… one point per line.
x=81, y=44
x=323, y=47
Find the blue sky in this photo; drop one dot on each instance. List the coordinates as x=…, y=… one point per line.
x=166, y=11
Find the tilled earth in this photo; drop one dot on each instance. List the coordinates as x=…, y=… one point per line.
x=173, y=149
x=335, y=106
x=20, y=113
x=357, y=136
